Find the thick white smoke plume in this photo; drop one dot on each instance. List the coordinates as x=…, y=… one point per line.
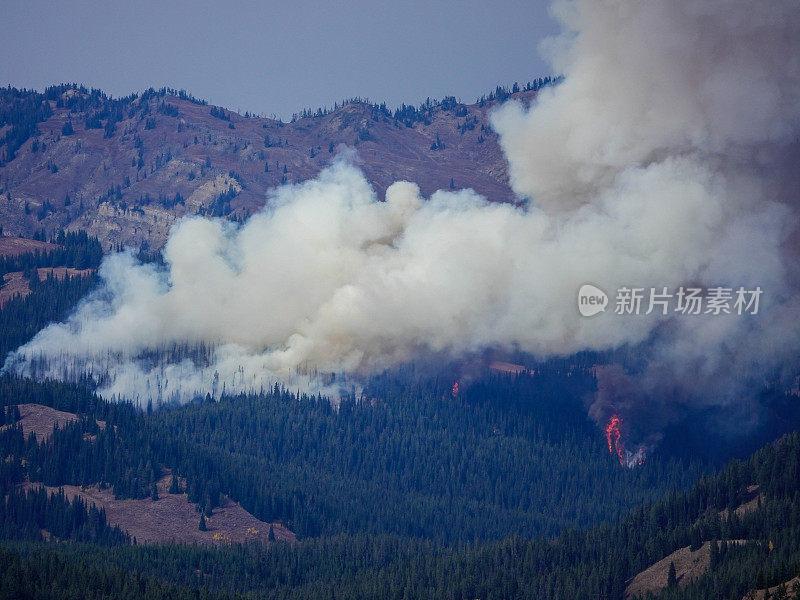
x=664, y=158
x=662, y=98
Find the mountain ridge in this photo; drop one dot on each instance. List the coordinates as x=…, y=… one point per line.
x=125, y=169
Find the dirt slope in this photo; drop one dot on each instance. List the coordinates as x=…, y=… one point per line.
x=15, y=284
x=688, y=567
x=41, y=420
x=172, y=518
x=762, y=594
x=11, y=246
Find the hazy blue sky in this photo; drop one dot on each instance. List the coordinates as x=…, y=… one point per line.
x=276, y=57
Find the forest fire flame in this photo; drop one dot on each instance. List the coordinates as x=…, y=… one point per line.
x=616, y=445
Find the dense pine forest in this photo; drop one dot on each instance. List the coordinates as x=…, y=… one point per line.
x=50, y=299
x=406, y=489
x=576, y=564
x=73, y=249
x=457, y=469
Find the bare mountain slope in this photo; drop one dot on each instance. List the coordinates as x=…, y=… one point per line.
x=163, y=156
x=172, y=518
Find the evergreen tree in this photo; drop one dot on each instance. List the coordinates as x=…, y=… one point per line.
x=672, y=579
x=781, y=593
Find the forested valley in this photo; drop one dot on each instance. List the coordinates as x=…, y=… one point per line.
x=405, y=487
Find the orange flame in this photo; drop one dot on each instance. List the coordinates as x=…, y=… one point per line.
x=616, y=446
x=613, y=434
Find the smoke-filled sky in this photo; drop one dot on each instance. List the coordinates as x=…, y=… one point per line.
x=272, y=57
x=665, y=158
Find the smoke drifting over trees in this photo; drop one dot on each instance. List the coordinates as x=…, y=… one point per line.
x=663, y=159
